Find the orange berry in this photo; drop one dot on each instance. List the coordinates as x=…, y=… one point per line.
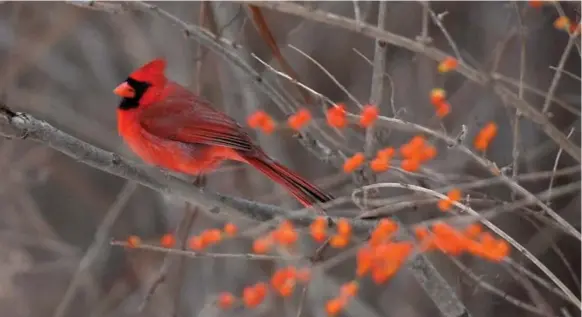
x=225, y=300
x=421, y=233
x=485, y=135
x=352, y=163
x=417, y=142
x=261, y=288
x=437, y=96
x=283, y=281
x=299, y=119
x=448, y=64
x=349, y=289
x=133, y=241
x=336, y=116
x=318, y=229
x=368, y=116
x=428, y=153
x=406, y=150
x=262, y=245
x=536, y=4
x=562, y=23
x=268, y=126
x=280, y=277
x=286, y=233
x=472, y=231
x=444, y=204
x=211, y=236
x=454, y=194
x=286, y=290
x=387, y=226
x=574, y=28
x=410, y=165
x=487, y=239
x=379, y=165
x=386, y=154
x=335, y=306
x=230, y=229
x=381, y=274
x=196, y=243
x=253, y=296
x=499, y=251
x=443, y=109
x=168, y=240
x=344, y=227
x=339, y=241
x=364, y=260
x=257, y=119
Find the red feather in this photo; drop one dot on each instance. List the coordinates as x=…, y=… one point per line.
x=167, y=125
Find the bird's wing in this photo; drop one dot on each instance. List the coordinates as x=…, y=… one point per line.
x=190, y=120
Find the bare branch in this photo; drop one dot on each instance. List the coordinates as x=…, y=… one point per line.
x=563, y=288
x=20, y=125
x=558, y=74
x=436, y=19
x=377, y=77
x=486, y=164
x=101, y=236
x=483, y=79
x=556, y=167
x=266, y=34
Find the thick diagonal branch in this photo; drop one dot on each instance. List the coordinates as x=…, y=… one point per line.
x=21, y=125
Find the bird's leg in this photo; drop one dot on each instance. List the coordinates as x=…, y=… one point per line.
x=199, y=180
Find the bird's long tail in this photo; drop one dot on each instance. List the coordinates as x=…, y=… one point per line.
x=307, y=193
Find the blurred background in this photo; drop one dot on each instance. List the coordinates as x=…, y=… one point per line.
x=60, y=62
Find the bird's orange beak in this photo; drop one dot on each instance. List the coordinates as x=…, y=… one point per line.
x=124, y=90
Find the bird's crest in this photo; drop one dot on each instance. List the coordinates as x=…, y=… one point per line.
x=150, y=71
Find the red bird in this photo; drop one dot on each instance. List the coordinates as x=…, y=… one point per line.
x=169, y=126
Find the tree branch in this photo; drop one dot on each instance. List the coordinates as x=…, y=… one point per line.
x=25, y=126
x=474, y=75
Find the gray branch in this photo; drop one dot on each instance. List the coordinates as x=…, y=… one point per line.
x=25, y=126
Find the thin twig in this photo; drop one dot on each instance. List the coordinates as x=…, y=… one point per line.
x=196, y=255
x=98, y=6
x=571, y=297
x=536, y=297
x=483, y=79
x=205, y=10
x=392, y=105
x=522, y=64
x=261, y=24
x=572, y=75
x=95, y=250
x=483, y=284
x=335, y=81
x=357, y=12
x=182, y=231
x=488, y=165
x=556, y=161
x=559, y=102
x=377, y=90
x=558, y=74
x=20, y=125
x=184, y=228
x=561, y=12
x=437, y=20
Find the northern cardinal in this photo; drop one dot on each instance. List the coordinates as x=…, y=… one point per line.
x=169, y=126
